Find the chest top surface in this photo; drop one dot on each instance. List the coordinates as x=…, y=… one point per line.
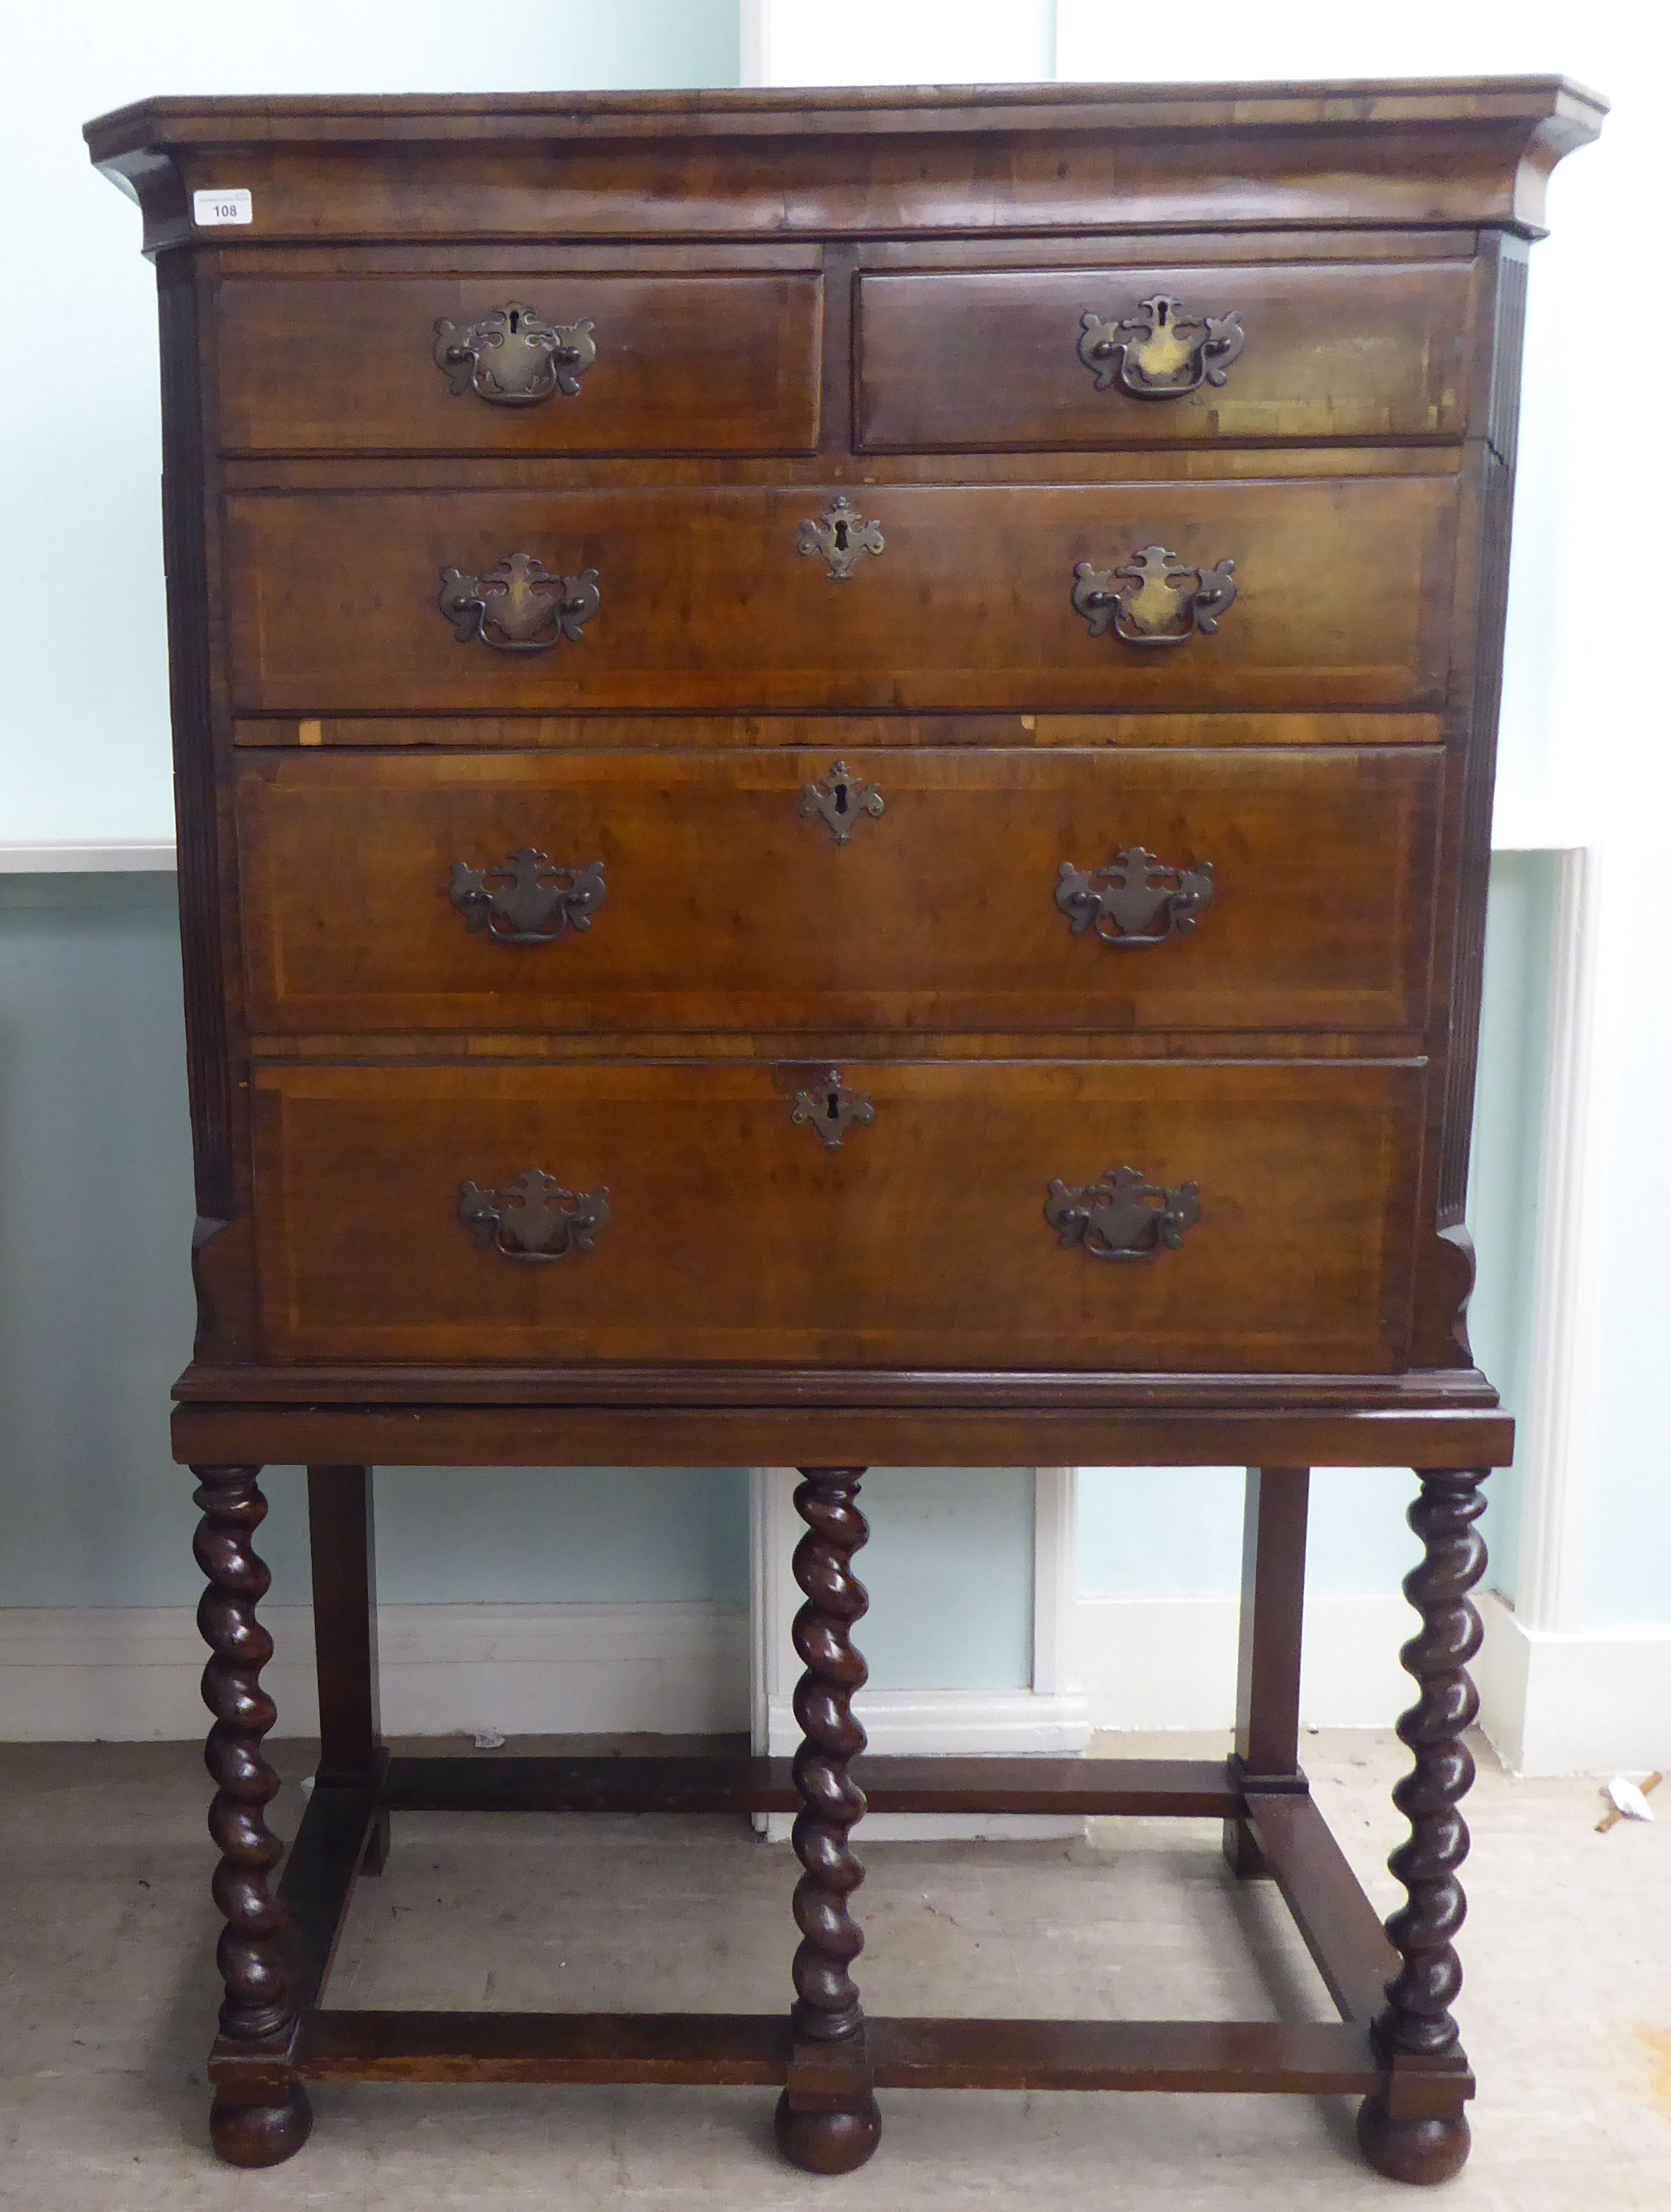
x=838, y=741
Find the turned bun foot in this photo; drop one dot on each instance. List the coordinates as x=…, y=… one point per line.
x=261, y=2135
x=826, y=2142
x=1422, y=2151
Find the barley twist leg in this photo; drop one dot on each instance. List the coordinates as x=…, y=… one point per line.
x=257, y=2010
x=1417, y=2024
x=833, y=2128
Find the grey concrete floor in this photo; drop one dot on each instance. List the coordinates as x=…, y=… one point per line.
x=108, y=1997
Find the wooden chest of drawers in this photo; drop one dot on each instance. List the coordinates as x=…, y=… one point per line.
x=834, y=764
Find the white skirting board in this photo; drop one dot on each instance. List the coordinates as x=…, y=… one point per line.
x=128, y=1674
x=1573, y=1701
x=1170, y=1662
x=131, y=1674
x=1552, y=1702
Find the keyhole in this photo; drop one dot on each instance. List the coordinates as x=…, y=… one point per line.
x=832, y=1107
x=841, y=536
x=841, y=798
x=516, y=319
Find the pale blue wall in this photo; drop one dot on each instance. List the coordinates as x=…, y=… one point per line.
x=83, y=695
x=1626, y=1579
x=95, y=1323
x=1172, y=1530
x=949, y=1571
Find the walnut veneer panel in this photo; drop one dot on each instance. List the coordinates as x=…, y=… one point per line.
x=1344, y=598
x=729, y=907
x=983, y=359
x=866, y=161
x=736, y=1236
x=844, y=732
x=685, y=364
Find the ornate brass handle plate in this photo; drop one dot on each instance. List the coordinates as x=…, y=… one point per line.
x=520, y=606
x=513, y=357
x=1123, y=1217
x=840, y=535
x=533, y=1217
x=1155, y=598
x=840, y=800
x=829, y=1109
x=1134, y=900
x=1162, y=352
x=525, y=899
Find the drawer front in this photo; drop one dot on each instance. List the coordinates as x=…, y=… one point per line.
x=586, y=364
x=733, y=1233
x=1172, y=356
x=704, y=599
x=915, y=891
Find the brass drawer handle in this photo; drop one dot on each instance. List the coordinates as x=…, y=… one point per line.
x=520, y=606
x=1160, y=600
x=532, y=1218
x=513, y=357
x=840, y=535
x=526, y=899
x=1134, y=900
x=830, y=1108
x=1162, y=352
x=1123, y=1217
x=840, y=800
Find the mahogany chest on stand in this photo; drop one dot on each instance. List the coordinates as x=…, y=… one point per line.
x=834, y=763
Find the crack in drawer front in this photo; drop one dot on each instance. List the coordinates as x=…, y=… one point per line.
x=705, y=891
x=986, y=359
x=706, y=600
x=715, y=1225
x=655, y=364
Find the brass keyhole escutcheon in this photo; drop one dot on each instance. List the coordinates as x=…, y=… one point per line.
x=841, y=801
x=840, y=535
x=830, y=1108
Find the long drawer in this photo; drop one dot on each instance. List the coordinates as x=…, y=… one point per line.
x=999, y=891
x=1139, y=1216
x=1105, y=357
x=1101, y=596
x=521, y=362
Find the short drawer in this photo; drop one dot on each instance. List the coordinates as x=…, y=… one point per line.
x=1136, y=1216
x=520, y=363
x=1086, y=597
x=1083, y=359
x=995, y=890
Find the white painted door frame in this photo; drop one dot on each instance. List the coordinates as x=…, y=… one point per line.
x=1555, y=1697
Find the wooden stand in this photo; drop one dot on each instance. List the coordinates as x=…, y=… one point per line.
x=1395, y=2045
